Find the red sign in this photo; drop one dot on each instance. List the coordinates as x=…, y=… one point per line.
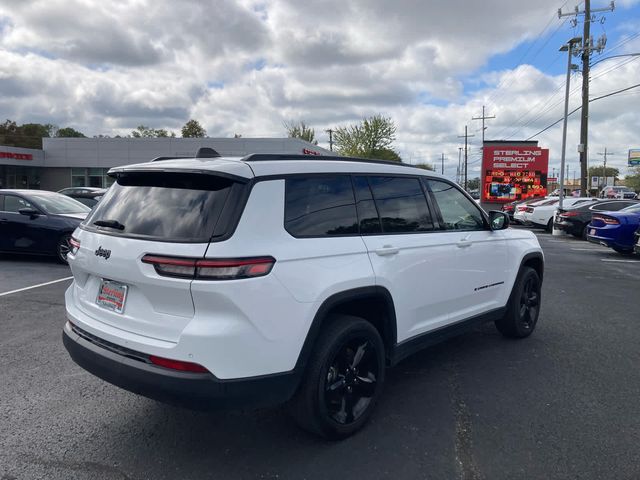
x=306, y=151
x=512, y=173
x=16, y=156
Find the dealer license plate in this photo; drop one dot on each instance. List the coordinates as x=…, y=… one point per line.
x=112, y=295
x=592, y=231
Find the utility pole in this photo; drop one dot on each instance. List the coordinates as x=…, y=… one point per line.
x=483, y=118
x=330, y=132
x=459, y=165
x=442, y=171
x=466, y=154
x=586, y=50
x=604, y=166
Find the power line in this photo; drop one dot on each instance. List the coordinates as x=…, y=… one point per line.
x=578, y=108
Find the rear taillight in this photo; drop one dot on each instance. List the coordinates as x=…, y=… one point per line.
x=74, y=243
x=529, y=209
x=605, y=220
x=211, y=269
x=177, y=365
x=521, y=209
x=569, y=214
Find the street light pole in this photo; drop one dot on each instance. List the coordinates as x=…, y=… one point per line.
x=565, y=48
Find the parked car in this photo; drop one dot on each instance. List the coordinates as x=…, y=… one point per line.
x=542, y=215
x=254, y=281
x=524, y=209
x=511, y=207
x=90, y=199
x=575, y=220
x=38, y=222
x=615, y=229
x=617, y=192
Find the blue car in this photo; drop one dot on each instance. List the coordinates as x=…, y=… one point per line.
x=38, y=222
x=615, y=229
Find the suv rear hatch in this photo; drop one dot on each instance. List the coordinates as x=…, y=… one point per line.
x=161, y=213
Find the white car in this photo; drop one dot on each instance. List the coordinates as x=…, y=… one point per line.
x=522, y=211
x=232, y=282
x=542, y=215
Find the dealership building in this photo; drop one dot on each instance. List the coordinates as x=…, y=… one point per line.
x=84, y=162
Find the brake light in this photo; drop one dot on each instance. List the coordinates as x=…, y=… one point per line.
x=521, y=209
x=211, y=269
x=569, y=214
x=606, y=220
x=529, y=209
x=74, y=243
x=177, y=365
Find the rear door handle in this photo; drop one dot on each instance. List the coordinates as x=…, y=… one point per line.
x=387, y=250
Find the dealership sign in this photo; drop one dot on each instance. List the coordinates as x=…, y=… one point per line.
x=16, y=156
x=634, y=157
x=514, y=172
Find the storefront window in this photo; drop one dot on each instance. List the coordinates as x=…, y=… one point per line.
x=78, y=177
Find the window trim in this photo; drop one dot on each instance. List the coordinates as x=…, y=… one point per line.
x=441, y=222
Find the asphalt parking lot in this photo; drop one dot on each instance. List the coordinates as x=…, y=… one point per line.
x=564, y=403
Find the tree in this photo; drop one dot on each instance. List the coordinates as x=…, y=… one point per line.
x=69, y=132
x=28, y=135
x=193, y=129
x=633, y=180
x=302, y=131
x=143, y=131
x=372, y=138
x=598, y=171
x=473, y=183
x=425, y=166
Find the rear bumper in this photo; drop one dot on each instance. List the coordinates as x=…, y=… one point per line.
x=202, y=391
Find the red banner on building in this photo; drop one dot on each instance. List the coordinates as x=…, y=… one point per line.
x=512, y=173
x=16, y=156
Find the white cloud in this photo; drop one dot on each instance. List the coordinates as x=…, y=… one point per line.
x=245, y=67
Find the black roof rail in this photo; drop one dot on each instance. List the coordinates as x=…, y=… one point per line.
x=158, y=159
x=259, y=157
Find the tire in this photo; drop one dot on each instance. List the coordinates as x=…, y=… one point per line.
x=523, y=309
x=549, y=227
x=343, y=379
x=585, y=231
x=63, y=247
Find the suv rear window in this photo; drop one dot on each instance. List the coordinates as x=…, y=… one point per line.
x=165, y=206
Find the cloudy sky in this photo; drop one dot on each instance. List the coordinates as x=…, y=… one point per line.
x=246, y=66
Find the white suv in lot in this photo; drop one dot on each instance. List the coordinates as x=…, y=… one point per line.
x=235, y=282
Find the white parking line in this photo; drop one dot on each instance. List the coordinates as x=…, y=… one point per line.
x=35, y=286
x=619, y=261
x=588, y=249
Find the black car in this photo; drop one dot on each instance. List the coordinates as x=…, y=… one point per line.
x=87, y=196
x=575, y=220
x=38, y=222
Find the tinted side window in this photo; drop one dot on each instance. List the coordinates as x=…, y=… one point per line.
x=320, y=206
x=611, y=206
x=14, y=204
x=366, y=208
x=458, y=212
x=401, y=204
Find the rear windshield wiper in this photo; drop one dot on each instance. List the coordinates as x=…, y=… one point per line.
x=109, y=223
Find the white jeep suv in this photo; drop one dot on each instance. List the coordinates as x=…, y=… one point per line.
x=234, y=282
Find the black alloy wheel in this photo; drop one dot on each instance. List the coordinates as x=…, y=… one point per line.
x=523, y=309
x=351, y=381
x=63, y=248
x=530, y=303
x=342, y=380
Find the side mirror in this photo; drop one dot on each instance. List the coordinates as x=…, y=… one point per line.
x=31, y=212
x=498, y=220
